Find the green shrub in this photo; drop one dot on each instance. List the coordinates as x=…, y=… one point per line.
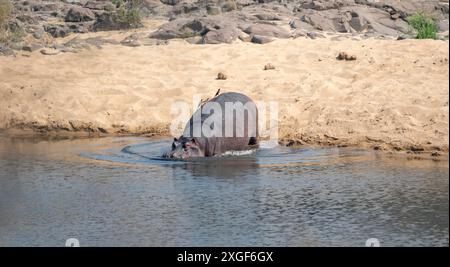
x=117, y=3
x=129, y=13
x=5, y=11
x=424, y=25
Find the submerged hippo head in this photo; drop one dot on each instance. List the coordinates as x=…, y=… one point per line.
x=184, y=148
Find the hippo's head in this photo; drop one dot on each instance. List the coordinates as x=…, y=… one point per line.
x=184, y=148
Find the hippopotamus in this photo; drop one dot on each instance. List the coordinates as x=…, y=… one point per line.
x=234, y=127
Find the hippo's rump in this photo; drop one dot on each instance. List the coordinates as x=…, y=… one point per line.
x=226, y=122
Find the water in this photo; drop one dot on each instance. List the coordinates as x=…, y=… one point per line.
x=119, y=192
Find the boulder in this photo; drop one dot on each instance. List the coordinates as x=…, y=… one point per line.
x=213, y=30
x=170, y=2
x=31, y=47
x=39, y=33
x=314, y=35
x=132, y=40
x=57, y=30
x=6, y=51
x=268, y=16
x=108, y=21
x=49, y=51
x=443, y=25
x=226, y=35
x=79, y=14
x=267, y=30
x=258, y=39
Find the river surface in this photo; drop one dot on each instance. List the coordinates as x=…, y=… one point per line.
x=119, y=192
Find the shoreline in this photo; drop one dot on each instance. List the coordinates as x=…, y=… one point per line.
x=393, y=97
x=385, y=149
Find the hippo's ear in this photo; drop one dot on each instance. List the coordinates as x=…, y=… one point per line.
x=193, y=141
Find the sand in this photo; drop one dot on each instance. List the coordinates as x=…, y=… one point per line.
x=393, y=97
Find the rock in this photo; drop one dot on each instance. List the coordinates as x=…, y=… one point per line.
x=170, y=2
x=404, y=37
x=443, y=25
x=267, y=30
x=178, y=28
x=244, y=37
x=213, y=30
x=75, y=2
x=39, y=33
x=314, y=35
x=108, y=21
x=57, y=30
x=6, y=51
x=395, y=16
x=49, y=52
x=299, y=24
x=357, y=22
x=99, y=5
x=323, y=5
x=269, y=66
x=79, y=14
x=213, y=10
x=193, y=40
x=31, y=47
x=132, y=40
x=28, y=18
x=267, y=16
x=258, y=39
x=221, y=76
x=416, y=148
x=43, y=6
x=151, y=41
x=226, y=35
x=298, y=33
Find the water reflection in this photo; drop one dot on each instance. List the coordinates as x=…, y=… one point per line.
x=116, y=192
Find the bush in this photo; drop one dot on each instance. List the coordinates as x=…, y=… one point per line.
x=424, y=25
x=129, y=13
x=5, y=11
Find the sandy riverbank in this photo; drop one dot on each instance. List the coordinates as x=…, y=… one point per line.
x=393, y=97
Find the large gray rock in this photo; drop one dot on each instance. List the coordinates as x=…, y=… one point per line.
x=258, y=39
x=267, y=30
x=226, y=35
x=443, y=25
x=170, y=2
x=108, y=21
x=178, y=28
x=6, y=51
x=214, y=29
x=57, y=30
x=79, y=14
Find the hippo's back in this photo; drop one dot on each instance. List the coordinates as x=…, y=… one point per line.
x=239, y=127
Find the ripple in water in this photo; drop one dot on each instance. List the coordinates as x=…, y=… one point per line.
x=120, y=192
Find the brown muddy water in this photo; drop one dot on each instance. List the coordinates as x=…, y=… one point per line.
x=119, y=192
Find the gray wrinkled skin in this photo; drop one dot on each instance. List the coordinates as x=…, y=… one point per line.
x=188, y=146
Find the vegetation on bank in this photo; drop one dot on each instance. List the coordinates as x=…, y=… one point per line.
x=9, y=32
x=129, y=12
x=424, y=24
